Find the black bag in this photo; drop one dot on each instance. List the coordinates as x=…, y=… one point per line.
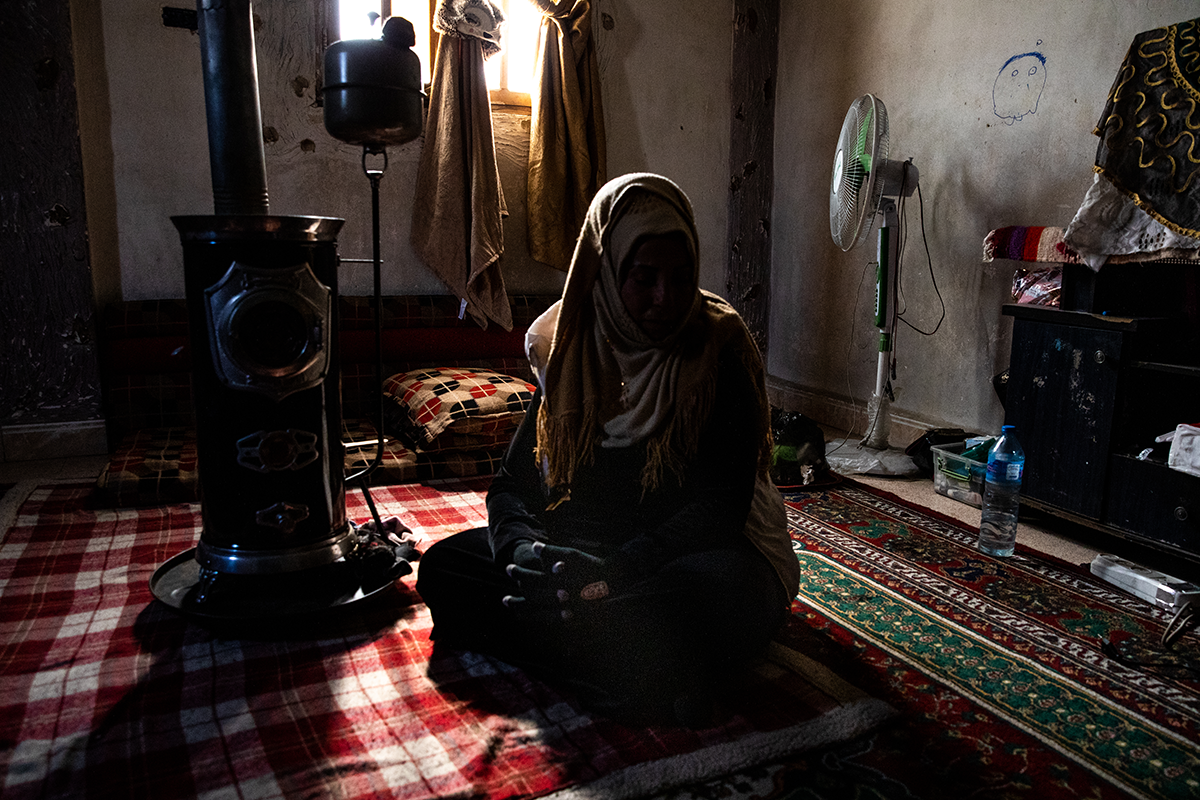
x=799, y=455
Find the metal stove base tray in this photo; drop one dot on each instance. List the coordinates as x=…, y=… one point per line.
x=239, y=598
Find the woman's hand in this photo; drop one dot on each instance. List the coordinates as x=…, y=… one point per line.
x=578, y=574
x=552, y=576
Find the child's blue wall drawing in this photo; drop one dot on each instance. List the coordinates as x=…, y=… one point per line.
x=1018, y=87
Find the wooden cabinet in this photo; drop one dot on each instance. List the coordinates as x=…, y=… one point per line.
x=1088, y=394
x=1159, y=504
x=1062, y=390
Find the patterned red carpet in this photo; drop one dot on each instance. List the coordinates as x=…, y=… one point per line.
x=998, y=666
x=105, y=692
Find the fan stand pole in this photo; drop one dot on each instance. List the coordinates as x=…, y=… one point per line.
x=878, y=416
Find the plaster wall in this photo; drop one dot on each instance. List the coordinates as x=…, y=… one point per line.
x=665, y=70
x=665, y=81
x=935, y=65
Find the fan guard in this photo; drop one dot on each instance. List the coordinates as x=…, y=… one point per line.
x=855, y=191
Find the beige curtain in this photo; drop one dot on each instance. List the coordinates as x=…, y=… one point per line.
x=566, y=149
x=459, y=206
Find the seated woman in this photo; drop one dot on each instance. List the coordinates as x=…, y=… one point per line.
x=636, y=547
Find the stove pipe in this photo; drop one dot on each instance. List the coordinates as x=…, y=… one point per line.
x=235, y=143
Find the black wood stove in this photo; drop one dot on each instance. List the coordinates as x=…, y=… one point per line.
x=262, y=309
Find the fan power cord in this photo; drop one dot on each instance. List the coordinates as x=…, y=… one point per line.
x=928, y=259
x=1184, y=620
x=1110, y=650
x=1186, y=617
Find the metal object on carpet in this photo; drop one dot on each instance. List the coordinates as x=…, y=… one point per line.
x=373, y=98
x=265, y=383
x=284, y=595
x=1158, y=588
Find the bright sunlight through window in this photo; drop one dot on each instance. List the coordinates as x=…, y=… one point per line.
x=509, y=73
x=511, y=70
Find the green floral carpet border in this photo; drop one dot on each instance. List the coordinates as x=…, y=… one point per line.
x=997, y=665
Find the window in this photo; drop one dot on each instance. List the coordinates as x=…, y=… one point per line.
x=509, y=73
x=359, y=19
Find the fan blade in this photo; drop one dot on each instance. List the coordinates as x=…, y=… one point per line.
x=861, y=154
x=852, y=192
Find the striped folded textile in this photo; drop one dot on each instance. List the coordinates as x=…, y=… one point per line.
x=1029, y=243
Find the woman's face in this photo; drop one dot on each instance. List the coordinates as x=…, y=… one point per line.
x=658, y=288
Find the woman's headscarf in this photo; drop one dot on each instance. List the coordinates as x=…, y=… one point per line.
x=604, y=381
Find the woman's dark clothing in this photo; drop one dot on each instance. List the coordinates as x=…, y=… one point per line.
x=690, y=594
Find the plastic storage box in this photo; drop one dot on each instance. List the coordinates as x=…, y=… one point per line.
x=956, y=476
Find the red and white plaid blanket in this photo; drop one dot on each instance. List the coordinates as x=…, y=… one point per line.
x=104, y=692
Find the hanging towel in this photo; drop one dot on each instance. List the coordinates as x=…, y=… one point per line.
x=567, y=144
x=459, y=205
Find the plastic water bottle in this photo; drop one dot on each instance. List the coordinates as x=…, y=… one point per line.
x=1002, y=495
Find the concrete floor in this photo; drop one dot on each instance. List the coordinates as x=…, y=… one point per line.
x=1071, y=542
x=28, y=475
x=1045, y=533
x=1041, y=534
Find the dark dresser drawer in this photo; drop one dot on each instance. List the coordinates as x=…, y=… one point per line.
x=1154, y=502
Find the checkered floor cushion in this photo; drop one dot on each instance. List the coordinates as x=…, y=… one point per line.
x=423, y=405
x=402, y=465
x=158, y=466
x=155, y=466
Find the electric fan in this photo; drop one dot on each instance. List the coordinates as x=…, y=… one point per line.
x=864, y=184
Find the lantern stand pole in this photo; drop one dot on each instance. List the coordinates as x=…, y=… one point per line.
x=363, y=477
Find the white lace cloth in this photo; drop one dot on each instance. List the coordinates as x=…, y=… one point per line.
x=1108, y=223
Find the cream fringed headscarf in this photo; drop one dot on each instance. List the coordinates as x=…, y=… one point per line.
x=604, y=382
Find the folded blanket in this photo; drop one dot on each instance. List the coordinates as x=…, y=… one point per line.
x=1029, y=243
x=1047, y=245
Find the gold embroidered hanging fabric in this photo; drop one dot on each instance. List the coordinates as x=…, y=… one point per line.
x=1150, y=129
x=566, y=148
x=459, y=205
